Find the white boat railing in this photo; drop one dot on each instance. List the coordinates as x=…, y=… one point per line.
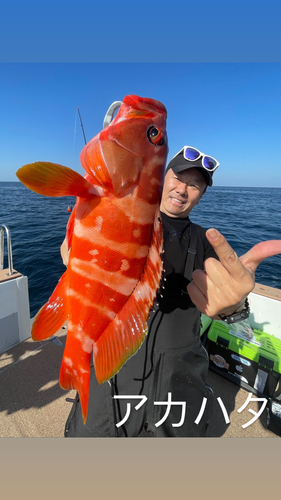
x=9, y=245
x=14, y=299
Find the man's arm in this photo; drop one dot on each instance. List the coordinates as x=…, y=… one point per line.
x=223, y=286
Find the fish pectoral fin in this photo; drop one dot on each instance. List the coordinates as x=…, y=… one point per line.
x=128, y=329
x=119, y=341
x=51, y=179
x=52, y=315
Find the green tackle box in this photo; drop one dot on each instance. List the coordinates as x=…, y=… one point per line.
x=205, y=323
x=253, y=363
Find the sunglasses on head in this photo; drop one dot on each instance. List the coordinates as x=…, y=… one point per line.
x=193, y=154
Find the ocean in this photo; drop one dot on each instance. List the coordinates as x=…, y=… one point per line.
x=245, y=216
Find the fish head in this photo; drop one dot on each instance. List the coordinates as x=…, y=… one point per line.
x=132, y=146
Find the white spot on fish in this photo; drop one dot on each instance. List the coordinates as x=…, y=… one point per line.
x=70, y=325
x=93, y=252
x=98, y=225
x=125, y=265
x=116, y=281
x=68, y=361
x=87, y=285
x=129, y=250
x=142, y=252
x=87, y=344
x=136, y=233
x=112, y=300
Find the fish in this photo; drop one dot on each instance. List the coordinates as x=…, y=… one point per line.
x=114, y=236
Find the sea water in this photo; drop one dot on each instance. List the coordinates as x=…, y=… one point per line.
x=37, y=223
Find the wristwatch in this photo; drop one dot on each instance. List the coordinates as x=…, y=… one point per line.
x=237, y=315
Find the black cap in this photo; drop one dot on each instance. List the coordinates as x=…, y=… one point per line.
x=179, y=163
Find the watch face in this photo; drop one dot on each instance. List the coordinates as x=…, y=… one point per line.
x=234, y=318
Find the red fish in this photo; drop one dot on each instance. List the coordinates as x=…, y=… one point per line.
x=115, y=237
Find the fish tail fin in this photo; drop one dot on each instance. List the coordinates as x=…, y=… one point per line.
x=127, y=330
x=52, y=179
x=75, y=368
x=53, y=314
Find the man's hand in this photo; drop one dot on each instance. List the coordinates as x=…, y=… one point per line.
x=64, y=252
x=225, y=284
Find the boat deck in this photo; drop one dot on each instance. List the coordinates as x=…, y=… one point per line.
x=34, y=405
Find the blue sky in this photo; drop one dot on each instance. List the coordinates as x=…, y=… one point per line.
x=215, y=65
x=231, y=111
x=146, y=31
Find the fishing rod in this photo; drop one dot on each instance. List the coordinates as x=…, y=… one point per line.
x=69, y=208
x=81, y=124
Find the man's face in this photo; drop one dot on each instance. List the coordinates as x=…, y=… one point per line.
x=181, y=192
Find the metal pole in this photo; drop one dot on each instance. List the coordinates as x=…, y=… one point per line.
x=81, y=124
x=9, y=245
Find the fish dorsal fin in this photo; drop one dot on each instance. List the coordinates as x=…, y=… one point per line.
x=127, y=331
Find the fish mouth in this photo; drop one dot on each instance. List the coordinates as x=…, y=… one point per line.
x=113, y=139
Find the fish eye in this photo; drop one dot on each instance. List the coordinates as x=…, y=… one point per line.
x=155, y=136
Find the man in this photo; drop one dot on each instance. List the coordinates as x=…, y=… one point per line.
x=167, y=375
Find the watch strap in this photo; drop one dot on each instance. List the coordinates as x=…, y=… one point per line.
x=235, y=317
